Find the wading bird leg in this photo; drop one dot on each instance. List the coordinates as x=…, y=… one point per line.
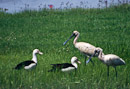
x=85, y=60
x=90, y=58
x=115, y=71
x=108, y=71
x=92, y=62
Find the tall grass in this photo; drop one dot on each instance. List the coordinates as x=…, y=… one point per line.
x=46, y=30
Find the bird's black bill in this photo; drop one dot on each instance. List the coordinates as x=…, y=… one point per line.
x=90, y=58
x=68, y=39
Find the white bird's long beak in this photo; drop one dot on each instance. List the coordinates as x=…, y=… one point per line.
x=68, y=39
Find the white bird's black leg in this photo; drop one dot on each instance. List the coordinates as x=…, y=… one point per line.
x=115, y=71
x=85, y=60
x=108, y=71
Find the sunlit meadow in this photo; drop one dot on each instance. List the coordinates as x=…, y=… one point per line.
x=46, y=30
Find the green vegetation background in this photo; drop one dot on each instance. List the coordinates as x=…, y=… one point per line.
x=46, y=30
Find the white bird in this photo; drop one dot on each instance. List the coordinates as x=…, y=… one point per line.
x=85, y=48
x=65, y=67
x=30, y=64
x=110, y=60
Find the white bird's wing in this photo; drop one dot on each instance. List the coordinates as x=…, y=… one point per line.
x=85, y=48
x=114, y=60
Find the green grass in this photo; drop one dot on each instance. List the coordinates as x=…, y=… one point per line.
x=46, y=30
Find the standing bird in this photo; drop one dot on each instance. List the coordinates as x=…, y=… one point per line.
x=85, y=48
x=65, y=67
x=30, y=63
x=110, y=60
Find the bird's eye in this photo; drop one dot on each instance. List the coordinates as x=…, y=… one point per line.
x=96, y=51
x=75, y=34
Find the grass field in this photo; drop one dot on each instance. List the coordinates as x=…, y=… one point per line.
x=46, y=30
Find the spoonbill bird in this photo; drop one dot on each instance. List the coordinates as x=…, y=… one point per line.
x=30, y=63
x=110, y=60
x=65, y=67
x=85, y=48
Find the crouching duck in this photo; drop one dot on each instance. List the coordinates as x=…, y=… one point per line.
x=64, y=67
x=30, y=64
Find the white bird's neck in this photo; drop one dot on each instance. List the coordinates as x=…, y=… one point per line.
x=75, y=65
x=75, y=39
x=34, y=58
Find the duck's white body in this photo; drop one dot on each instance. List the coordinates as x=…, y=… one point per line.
x=68, y=69
x=31, y=66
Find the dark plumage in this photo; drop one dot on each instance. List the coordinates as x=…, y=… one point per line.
x=60, y=66
x=22, y=64
x=64, y=67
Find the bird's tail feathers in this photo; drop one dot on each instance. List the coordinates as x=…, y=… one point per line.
x=122, y=62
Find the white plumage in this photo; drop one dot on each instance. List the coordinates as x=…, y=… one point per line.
x=68, y=69
x=31, y=66
x=85, y=48
x=110, y=60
